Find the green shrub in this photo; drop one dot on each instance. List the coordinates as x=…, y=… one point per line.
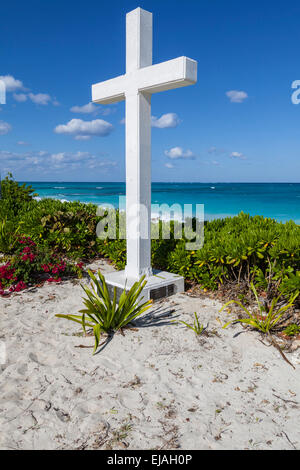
x=290, y=284
x=68, y=227
x=8, y=235
x=241, y=248
x=14, y=197
x=30, y=265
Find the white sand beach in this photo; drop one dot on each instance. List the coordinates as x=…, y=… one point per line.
x=157, y=387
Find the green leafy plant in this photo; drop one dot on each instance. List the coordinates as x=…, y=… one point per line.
x=290, y=284
x=8, y=235
x=14, y=196
x=197, y=327
x=103, y=313
x=265, y=318
x=292, y=330
x=68, y=227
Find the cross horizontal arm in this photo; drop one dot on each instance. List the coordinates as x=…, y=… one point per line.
x=174, y=73
x=110, y=91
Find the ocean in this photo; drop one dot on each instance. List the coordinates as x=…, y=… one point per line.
x=280, y=201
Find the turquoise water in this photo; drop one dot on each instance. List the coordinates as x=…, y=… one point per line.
x=277, y=200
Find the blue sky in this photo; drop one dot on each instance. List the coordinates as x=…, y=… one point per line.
x=237, y=123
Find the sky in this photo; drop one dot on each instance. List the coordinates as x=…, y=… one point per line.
x=237, y=124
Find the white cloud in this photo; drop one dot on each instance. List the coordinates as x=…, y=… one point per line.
x=40, y=98
x=85, y=109
x=46, y=162
x=14, y=85
x=165, y=121
x=11, y=83
x=105, y=111
x=94, y=163
x=20, y=97
x=216, y=152
x=63, y=160
x=83, y=130
x=58, y=157
x=82, y=137
x=76, y=160
x=238, y=155
x=22, y=142
x=6, y=156
x=236, y=96
x=169, y=165
x=5, y=128
x=178, y=152
x=91, y=108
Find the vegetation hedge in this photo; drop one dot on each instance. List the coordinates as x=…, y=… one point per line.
x=240, y=248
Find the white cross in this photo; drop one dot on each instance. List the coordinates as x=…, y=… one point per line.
x=136, y=87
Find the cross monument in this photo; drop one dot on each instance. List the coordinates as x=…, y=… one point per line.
x=136, y=86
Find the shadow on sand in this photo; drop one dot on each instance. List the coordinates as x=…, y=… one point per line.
x=161, y=316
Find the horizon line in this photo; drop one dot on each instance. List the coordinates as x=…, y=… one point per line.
x=164, y=182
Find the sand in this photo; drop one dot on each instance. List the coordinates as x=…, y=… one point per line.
x=158, y=387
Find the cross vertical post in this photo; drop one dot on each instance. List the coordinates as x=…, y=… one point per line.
x=138, y=147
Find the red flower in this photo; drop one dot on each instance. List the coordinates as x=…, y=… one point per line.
x=52, y=279
x=20, y=286
x=6, y=272
x=27, y=241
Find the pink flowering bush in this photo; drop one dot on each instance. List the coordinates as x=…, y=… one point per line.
x=7, y=276
x=30, y=265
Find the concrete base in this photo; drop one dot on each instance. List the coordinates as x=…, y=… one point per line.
x=161, y=284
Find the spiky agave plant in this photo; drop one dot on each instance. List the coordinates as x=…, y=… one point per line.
x=263, y=319
x=197, y=328
x=103, y=313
